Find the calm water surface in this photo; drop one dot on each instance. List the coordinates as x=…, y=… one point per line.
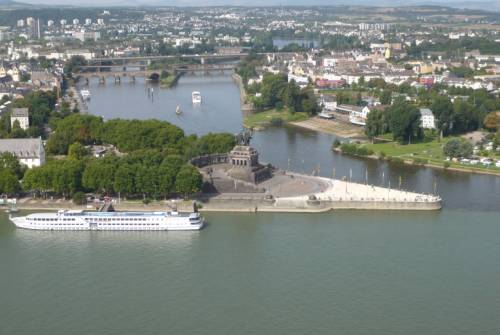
x=343, y=272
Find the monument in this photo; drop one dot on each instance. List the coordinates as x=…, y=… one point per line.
x=244, y=161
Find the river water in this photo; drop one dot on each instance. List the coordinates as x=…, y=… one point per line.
x=345, y=272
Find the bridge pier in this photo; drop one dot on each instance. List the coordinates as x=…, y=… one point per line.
x=132, y=79
x=102, y=80
x=87, y=81
x=118, y=80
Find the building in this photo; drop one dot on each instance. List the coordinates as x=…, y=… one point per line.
x=29, y=151
x=427, y=119
x=87, y=35
x=35, y=30
x=21, y=116
x=357, y=114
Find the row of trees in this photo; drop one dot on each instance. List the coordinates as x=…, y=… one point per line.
x=137, y=175
x=277, y=92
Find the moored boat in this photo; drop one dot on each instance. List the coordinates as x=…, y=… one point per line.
x=90, y=220
x=196, y=97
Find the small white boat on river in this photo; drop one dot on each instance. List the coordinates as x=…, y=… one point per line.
x=85, y=94
x=196, y=97
x=90, y=220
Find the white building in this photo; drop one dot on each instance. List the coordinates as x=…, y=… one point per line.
x=357, y=114
x=50, y=23
x=87, y=35
x=20, y=23
x=76, y=22
x=427, y=119
x=88, y=22
x=29, y=151
x=21, y=116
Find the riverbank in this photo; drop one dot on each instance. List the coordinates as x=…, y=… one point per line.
x=245, y=107
x=411, y=158
x=171, y=80
x=285, y=192
x=332, y=127
x=272, y=117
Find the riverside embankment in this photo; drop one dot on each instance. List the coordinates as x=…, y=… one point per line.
x=288, y=192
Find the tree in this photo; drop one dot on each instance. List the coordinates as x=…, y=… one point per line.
x=124, y=182
x=405, y=122
x=385, y=97
x=457, y=147
x=492, y=121
x=72, y=64
x=10, y=162
x=376, y=123
x=8, y=182
x=443, y=112
x=188, y=180
x=77, y=151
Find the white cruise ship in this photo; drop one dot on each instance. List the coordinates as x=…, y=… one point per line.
x=90, y=220
x=196, y=97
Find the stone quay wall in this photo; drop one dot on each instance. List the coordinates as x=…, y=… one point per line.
x=259, y=203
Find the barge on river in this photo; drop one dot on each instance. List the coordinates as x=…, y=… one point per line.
x=90, y=220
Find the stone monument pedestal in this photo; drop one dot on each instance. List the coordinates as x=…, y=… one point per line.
x=245, y=165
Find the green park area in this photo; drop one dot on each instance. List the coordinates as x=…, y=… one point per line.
x=272, y=117
x=425, y=153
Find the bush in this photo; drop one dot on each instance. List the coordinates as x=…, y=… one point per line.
x=336, y=143
x=146, y=201
x=381, y=155
x=446, y=165
x=355, y=150
x=79, y=198
x=276, y=121
x=420, y=161
x=396, y=160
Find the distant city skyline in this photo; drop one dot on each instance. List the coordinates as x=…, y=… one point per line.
x=258, y=2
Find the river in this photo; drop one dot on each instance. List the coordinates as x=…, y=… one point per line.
x=345, y=272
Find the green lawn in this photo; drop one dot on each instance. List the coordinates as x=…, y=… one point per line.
x=265, y=118
x=431, y=151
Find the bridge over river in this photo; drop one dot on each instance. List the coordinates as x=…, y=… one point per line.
x=139, y=66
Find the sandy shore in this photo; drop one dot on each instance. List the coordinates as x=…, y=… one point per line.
x=332, y=127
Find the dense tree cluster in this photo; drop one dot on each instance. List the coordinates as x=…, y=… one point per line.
x=153, y=162
x=402, y=119
x=457, y=147
x=10, y=172
x=277, y=92
x=464, y=114
x=40, y=109
x=133, y=135
x=456, y=48
x=145, y=174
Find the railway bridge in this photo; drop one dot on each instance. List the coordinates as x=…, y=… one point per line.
x=117, y=72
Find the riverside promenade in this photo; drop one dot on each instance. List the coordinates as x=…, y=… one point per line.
x=284, y=192
x=291, y=192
